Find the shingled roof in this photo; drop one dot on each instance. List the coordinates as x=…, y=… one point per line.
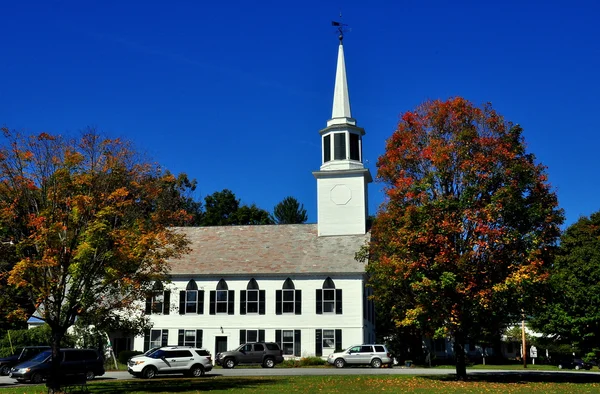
x=274, y=249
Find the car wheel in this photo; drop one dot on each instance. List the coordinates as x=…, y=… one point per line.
x=5, y=370
x=376, y=363
x=197, y=371
x=89, y=375
x=37, y=378
x=269, y=363
x=577, y=367
x=229, y=363
x=149, y=373
x=339, y=363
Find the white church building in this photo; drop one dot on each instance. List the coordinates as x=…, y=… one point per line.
x=297, y=285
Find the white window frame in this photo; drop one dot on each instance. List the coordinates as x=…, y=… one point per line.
x=186, y=335
x=250, y=305
x=220, y=302
x=155, y=342
x=288, y=342
x=254, y=333
x=327, y=338
x=330, y=302
x=193, y=305
x=288, y=303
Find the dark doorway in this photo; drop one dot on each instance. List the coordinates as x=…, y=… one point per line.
x=220, y=344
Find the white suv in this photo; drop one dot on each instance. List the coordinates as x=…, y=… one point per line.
x=373, y=355
x=188, y=360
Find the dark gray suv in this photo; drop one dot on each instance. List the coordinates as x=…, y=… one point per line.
x=266, y=354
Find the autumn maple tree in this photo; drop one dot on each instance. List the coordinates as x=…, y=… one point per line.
x=89, y=225
x=468, y=226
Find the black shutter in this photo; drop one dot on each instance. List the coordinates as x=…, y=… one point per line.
x=339, y=146
x=278, y=301
x=319, y=302
x=165, y=338
x=327, y=148
x=318, y=342
x=146, y=340
x=243, y=302
x=148, y=305
x=182, y=302
x=167, y=303
x=201, y=302
x=180, y=338
x=338, y=301
x=338, y=340
x=231, y=302
x=298, y=302
x=198, y=338
x=242, y=337
x=297, y=350
x=213, y=295
x=278, y=338
x=261, y=335
x=261, y=302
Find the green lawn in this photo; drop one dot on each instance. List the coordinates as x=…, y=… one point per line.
x=547, y=384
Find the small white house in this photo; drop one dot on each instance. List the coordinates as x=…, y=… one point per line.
x=297, y=285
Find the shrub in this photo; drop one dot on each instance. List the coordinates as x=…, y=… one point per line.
x=125, y=355
x=308, y=361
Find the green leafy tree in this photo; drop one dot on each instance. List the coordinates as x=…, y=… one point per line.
x=224, y=209
x=252, y=215
x=220, y=208
x=571, y=314
x=468, y=227
x=289, y=211
x=89, y=229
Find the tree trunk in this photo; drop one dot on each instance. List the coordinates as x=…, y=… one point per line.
x=52, y=382
x=459, y=353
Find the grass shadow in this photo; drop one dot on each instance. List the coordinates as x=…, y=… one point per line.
x=524, y=377
x=174, y=385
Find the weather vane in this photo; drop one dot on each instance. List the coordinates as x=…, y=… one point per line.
x=341, y=27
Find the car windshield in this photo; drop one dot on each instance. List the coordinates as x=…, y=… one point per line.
x=156, y=354
x=149, y=352
x=43, y=356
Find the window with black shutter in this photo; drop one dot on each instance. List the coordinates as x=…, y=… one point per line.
x=329, y=299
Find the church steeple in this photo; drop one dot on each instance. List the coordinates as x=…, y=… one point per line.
x=342, y=180
x=341, y=113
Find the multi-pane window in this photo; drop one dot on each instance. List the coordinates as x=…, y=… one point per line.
x=329, y=299
x=159, y=300
x=155, y=338
x=191, y=300
x=251, y=335
x=248, y=336
x=190, y=338
x=221, y=299
x=252, y=300
x=288, y=299
x=327, y=340
x=289, y=341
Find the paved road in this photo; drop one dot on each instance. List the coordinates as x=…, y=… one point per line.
x=5, y=381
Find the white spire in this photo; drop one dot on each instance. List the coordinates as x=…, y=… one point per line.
x=340, y=113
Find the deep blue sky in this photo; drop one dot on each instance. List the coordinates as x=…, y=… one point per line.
x=234, y=93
